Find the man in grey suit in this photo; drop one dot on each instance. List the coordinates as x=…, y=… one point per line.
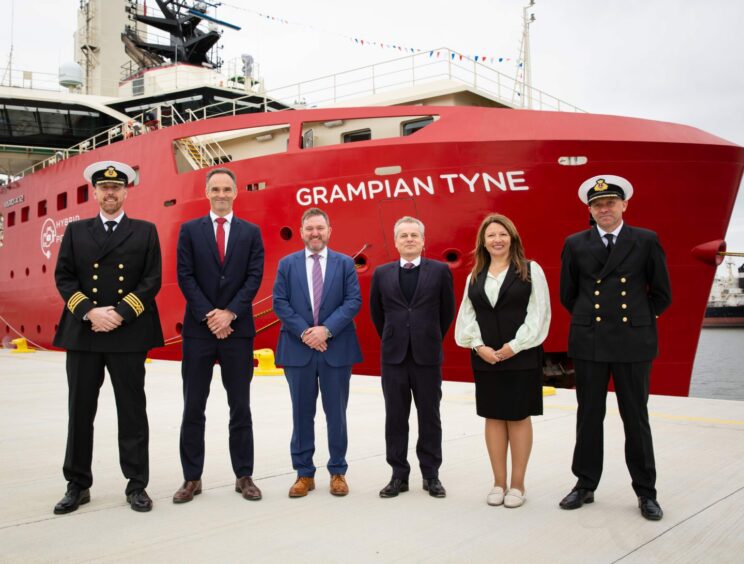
x=412, y=306
x=615, y=283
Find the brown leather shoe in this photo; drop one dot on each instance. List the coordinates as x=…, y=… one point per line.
x=338, y=485
x=187, y=491
x=249, y=490
x=302, y=486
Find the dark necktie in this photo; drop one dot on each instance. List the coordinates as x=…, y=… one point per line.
x=409, y=265
x=110, y=227
x=317, y=286
x=609, y=237
x=221, y=238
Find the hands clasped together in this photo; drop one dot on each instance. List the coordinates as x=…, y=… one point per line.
x=104, y=319
x=493, y=356
x=316, y=337
x=218, y=321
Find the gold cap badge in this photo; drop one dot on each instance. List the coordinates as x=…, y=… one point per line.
x=110, y=172
x=600, y=186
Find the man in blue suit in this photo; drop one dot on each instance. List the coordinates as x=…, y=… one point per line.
x=220, y=267
x=316, y=296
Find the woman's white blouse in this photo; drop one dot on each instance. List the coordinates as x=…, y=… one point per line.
x=530, y=334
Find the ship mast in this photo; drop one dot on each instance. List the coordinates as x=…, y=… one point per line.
x=523, y=78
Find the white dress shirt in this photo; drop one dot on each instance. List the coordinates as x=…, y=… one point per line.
x=104, y=219
x=309, y=261
x=615, y=233
x=226, y=225
x=416, y=261
x=530, y=334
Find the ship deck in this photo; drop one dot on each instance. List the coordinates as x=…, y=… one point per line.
x=700, y=461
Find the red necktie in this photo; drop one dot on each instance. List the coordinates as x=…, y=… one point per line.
x=221, y=238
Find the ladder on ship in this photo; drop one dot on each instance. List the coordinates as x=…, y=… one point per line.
x=202, y=154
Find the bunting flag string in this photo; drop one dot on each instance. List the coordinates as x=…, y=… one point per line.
x=362, y=42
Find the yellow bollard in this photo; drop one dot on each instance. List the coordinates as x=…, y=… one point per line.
x=266, y=366
x=21, y=346
x=548, y=391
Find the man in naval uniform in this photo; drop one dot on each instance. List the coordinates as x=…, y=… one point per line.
x=615, y=283
x=108, y=272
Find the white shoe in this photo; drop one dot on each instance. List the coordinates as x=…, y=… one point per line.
x=513, y=498
x=495, y=496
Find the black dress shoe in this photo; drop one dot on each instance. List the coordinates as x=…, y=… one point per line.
x=139, y=501
x=650, y=508
x=395, y=486
x=74, y=498
x=434, y=487
x=577, y=498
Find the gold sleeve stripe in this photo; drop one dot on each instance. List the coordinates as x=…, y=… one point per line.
x=135, y=303
x=75, y=301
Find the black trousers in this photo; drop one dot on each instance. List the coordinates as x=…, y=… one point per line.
x=424, y=383
x=631, y=387
x=85, y=374
x=235, y=357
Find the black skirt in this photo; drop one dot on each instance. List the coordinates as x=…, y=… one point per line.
x=510, y=395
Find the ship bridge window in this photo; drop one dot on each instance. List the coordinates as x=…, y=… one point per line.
x=354, y=136
x=23, y=121
x=411, y=127
x=339, y=131
x=204, y=151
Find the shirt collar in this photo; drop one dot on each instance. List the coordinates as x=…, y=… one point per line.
x=323, y=254
x=615, y=233
x=416, y=261
x=214, y=216
x=104, y=219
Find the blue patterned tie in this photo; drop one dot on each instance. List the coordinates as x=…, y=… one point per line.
x=317, y=286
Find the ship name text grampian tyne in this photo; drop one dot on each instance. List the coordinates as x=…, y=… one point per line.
x=411, y=187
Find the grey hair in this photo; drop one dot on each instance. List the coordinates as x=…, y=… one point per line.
x=226, y=171
x=408, y=219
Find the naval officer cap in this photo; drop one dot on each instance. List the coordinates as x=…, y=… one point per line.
x=605, y=186
x=109, y=171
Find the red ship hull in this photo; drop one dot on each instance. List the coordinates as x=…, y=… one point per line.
x=469, y=162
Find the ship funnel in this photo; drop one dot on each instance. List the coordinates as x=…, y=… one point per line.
x=70, y=75
x=710, y=252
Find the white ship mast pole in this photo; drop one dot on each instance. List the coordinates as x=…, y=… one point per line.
x=523, y=83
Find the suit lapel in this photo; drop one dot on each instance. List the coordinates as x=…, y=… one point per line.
x=301, y=266
x=97, y=231
x=209, y=238
x=424, y=272
x=394, y=280
x=624, y=244
x=596, y=246
x=232, y=240
x=122, y=232
x=329, y=274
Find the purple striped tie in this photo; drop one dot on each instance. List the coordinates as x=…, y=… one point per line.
x=317, y=286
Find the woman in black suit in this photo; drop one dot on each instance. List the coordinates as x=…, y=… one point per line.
x=504, y=318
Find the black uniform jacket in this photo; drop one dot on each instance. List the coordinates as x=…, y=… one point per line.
x=121, y=270
x=421, y=324
x=208, y=284
x=614, y=301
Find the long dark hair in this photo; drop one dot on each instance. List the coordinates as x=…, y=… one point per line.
x=481, y=256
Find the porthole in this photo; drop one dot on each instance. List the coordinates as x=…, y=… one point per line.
x=285, y=233
x=43, y=268
x=179, y=328
x=453, y=257
x=361, y=263
x=38, y=329
x=27, y=271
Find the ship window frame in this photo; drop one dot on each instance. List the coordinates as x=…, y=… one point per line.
x=25, y=214
x=346, y=135
x=11, y=218
x=41, y=208
x=61, y=201
x=426, y=121
x=82, y=194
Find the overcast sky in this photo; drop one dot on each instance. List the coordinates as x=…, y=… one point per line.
x=671, y=60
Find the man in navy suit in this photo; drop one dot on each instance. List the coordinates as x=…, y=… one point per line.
x=316, y=296
x=615, y=283
x=412, y=305
x=220, y=267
